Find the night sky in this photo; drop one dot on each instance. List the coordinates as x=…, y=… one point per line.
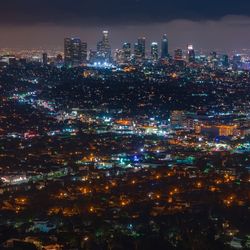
x=208, y=24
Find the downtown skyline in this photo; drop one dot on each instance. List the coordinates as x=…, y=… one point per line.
x=205, y=35
x=208, y=25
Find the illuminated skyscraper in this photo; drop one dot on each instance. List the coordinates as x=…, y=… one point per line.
x=236, y=61
x=225, y=61
x=164, y=47
x=140, y=49
x=126, y=51
x=191, y=54
x=154, y=51
x=75, y=52
x=106, y=44
x=67, y=51
x=104, y=48
x=84, y=52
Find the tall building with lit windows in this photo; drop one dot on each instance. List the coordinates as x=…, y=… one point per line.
x=191, y=53
x=67, y=51
x=140, y=49
x=154, y=51
x=164, y=47
x=75, y=52
x=104, y=48
x=126, y=52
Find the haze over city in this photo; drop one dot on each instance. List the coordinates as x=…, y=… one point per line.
x=207, y=24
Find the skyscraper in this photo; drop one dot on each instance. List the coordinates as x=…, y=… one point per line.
x=75, y=52
x=104, y=48
x=67, y=51
x=164, y=47
x=225, y=61
x=142, y=46
x=84, y=52
x=191, y=53
x=126, y=52
x=154, y=51
x=236, y=61
x=140, y=49
x=45, y=58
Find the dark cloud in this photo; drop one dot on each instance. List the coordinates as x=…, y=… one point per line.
x=106, y=12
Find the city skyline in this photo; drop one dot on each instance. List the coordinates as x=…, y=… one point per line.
x=207, y=25
x=205, y=35
x=158, y=38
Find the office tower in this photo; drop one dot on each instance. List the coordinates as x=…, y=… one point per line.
x=126, y=52
x=164, y=47
x=140, y=49
x=178, y=55
x=45, y=58
x=154, y=51
x=104, y=48
x=225, y=61
x=105, y=40
x=67, y=51
x=75, y=52
x=84, y=52
x=191, y=53
x=93, y=56
x=136, y=52
x=236, y=61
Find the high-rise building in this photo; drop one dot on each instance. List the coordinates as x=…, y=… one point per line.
x=136, y=52
x=75, y=52
x=84, y=52
x=45, y=58
x=140, y=49
x=191, y=53
x=104, y=48
x=164, y=47
x=236, y=61
x=178, y=55
x=93, y=56
x=225, y=61
x=67, y=51
x=154, y=51
x=142, y=46
x=126, y=52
